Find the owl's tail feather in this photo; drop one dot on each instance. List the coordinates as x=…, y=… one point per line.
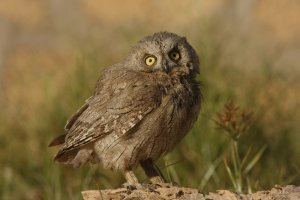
x=74, y=157
x=58, y=140
x=66, y=156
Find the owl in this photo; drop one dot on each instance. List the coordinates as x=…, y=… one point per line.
x=141, y=108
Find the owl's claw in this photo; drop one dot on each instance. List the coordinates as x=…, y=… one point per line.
x=131, y=179
x=167, y=185
x=150, y=170
x=132, y=182
x=131, y=187
x=157, y=179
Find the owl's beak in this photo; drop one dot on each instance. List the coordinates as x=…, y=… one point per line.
x=165, y=66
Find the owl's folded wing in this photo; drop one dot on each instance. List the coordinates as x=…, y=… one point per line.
x=73, y=119
x=115, y=109
x=61, y=139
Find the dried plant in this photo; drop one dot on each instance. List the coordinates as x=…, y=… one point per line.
x=235, y=123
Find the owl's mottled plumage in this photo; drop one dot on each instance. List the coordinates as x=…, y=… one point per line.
x=138, y=111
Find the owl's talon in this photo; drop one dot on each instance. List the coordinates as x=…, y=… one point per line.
x=172, y=184
x=131, y=187
x=168, y=185
x=150, y=187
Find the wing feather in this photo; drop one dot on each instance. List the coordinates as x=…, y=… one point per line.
x=72, y=119
x=120, y=103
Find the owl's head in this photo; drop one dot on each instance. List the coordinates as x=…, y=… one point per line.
x=166, y=52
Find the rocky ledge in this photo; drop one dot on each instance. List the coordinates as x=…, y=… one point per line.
x=157, y=192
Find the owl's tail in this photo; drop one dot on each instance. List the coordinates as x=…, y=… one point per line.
x=74, y=157
x=62, y=156
x=58, y=140
x=66, y=157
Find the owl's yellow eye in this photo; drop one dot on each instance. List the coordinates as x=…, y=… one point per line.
x=150, y=60
x=174, y=55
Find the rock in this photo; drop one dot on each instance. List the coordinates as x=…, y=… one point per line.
x=157, y=192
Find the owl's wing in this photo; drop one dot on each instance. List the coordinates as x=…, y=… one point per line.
x=75, y=116
x=121, y=101
x=61, y=139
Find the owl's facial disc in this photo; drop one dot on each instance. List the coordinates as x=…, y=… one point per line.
x=170, y=60
x=165, y=52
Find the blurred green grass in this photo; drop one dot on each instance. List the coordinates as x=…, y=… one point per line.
x=27, y=126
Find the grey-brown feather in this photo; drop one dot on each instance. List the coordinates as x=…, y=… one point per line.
x=136, y=112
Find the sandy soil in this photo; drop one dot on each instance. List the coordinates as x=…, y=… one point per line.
x=152, y=192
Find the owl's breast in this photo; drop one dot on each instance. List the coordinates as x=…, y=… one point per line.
x=178, y=111
x=184, y=93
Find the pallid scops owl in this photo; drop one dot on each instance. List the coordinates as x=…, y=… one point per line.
x=141, y=108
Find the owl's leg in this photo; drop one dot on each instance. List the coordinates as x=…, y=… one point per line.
x=151, y=172
x=131, y=178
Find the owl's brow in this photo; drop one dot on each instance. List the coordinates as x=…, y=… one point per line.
x=175, y=47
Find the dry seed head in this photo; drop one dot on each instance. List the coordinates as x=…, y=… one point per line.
x=234, y=121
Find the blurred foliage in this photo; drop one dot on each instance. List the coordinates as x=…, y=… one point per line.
x=40, y=89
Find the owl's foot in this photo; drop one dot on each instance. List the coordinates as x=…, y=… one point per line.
x=132, y=187
x=130, y=177
x=167, y=185
x=156, y=180
x=132, y=181
x=151, y=172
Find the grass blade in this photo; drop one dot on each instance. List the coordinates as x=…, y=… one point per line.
x=255, y=159
x=230, y=175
